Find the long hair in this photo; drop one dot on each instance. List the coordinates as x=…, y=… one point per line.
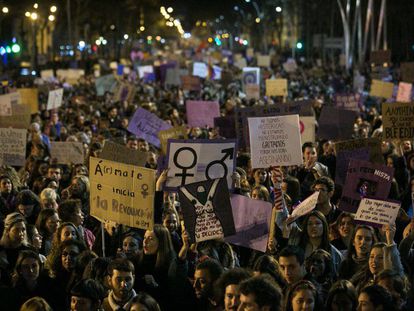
x=165, y=252
x=351, y=248
x=342, y=287
x=268, y=264
x=41, y=220
x=16, y=277
x=302, y=285
x=304, y=238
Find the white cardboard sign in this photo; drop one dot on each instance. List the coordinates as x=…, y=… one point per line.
x=377, y=211
x=306, y=206
x=55, y=99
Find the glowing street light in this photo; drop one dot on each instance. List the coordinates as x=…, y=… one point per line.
x=126, y=36
x=27, y=14
x=51, y=18
x=53, y=8
x=257, y=20
x=33, y=16
x=278, y=9
x=5, y=10
x=170, y=10
x=142, y=28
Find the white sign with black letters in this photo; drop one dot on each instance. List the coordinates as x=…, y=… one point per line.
x=197, y=160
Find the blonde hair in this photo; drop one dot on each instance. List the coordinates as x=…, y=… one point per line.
x=48, y=194
x=9, y=222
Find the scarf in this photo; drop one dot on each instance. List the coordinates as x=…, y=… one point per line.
x=114, y=305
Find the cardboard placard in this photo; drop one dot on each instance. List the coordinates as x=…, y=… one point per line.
x=105, y=84
x=336, y=123
x=382, y=89
x=348, y=101
x=377, y=212
x=290, y=65
x=307, y=129
x=251, y=75
x=252, y=91
x=202, y=113
x=146, y=125
x=398, y=120
x=191, y=83
x=380, y=57
x=305, y=207
x=30, y=97
x=12, y=146
x=142, y=70
x=404, y=94
x=67, y=152
x=119, y=153
x=207, y=210
x=277, y=87
x=197, y=160
x=263, y=61
x=177, y=132
x=20, y=117
x=47, y=74
x=122, y=193
x=5, y=105
x=55, y=98
x=252, y=222
x=200, y=70
x=365, y=179
x=407, y=72
x=71, y=76
x=275, y=141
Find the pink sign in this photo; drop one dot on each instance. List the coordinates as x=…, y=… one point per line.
x=202, y=113
x=404, y=92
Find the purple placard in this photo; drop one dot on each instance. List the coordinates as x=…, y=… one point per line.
x=251, y=219
x=348, y=101
x=202, y=113
x=336, y=123
x=145, y=124
x=342, y=162
x=365, y=179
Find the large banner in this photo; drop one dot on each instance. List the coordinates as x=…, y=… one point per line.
x=336, y=123
x=207, y=210
x=275, y=141
x=66, y=152
x=365, y=179
x=146, y=125
x=202, y=113
x=122, y=193
x=119, y=153
x=398, y=120
x=197, y=160
x=252, y=222
x=12, y=146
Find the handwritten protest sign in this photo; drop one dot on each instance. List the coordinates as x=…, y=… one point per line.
x=67, y=152
x=407, y=72
x=202, y=113
x=276, y=87
x=367, y=149
x=305, y=207
x=377, y=212
x=177, y=132
x=275, y=141
x=20, y=117
x=303, y=108
x=404, y=94
x=200, y=70
x=348, y=101
x=191, y=161
x=12, y=146
x=252, y=222
x=5, y=105
x=336, y=123
x=381, y=89
x=105, y=84
x=207, y=210
x=119, y=153
x=398, y=120
x=191, y=83
x=307, y=129
x=365, y=179
x=251, y=75
x=122, y=193
x=263, y=61
x=30, y=97
x=252, y=91
x=146, y=125
x=55, y=99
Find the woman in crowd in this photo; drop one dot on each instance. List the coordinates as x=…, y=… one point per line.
x=375, y=298
x=343, y=228
x=342, y=296
x=47, y=223
x=302, y=296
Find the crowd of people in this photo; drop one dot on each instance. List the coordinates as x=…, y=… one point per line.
x=51, y=248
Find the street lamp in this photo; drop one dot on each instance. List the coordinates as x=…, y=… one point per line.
x=53, y=9
x=5, y=10
x=278, y=9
